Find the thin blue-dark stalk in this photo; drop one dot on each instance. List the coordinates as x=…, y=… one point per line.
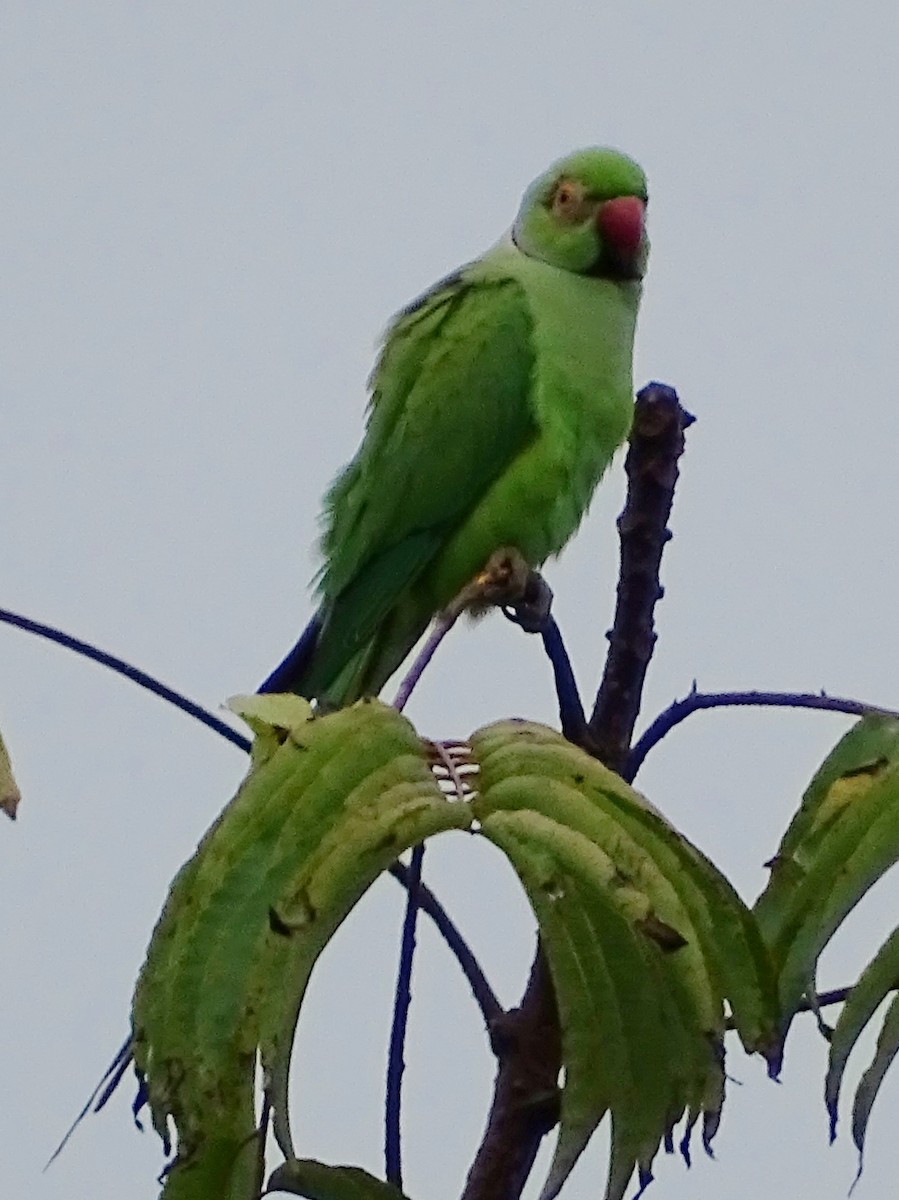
x=396, y=1065
x=696, y=701
x=141, y=678
x=480, y=988
x=571, y=710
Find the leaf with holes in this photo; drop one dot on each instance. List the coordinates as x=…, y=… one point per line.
x=318, y=818
x=644, y=939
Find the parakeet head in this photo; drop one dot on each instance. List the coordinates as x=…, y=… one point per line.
x=587, y=214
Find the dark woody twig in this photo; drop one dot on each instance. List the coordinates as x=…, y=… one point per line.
x=657, y=442
x=527, y=1040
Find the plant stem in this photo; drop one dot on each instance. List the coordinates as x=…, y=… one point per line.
x=480, y=988
x=696, y=701
x=527, y=1040
x=571, y=712
x=396, y=1064
x=657, y=443
x=141, y=678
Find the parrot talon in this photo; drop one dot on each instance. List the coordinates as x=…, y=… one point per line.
x=532, y=611
x=503, y=582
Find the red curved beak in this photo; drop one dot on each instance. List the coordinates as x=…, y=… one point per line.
x=621, y=223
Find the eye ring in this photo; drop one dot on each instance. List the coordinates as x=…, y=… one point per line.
x=568, y=200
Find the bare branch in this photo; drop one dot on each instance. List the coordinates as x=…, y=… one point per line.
x=696, y=701
x=527, y=1040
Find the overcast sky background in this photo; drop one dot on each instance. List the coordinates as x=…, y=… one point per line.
x=207, y=213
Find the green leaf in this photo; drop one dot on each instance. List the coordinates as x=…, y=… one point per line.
x=9, y=791
x=318, y=1181
x=842, y=840
x=330, y=805
x=687, y=889
x=271, y=717
x=609, y=991
x=648, y=946
x=869, y=1084
x=879, y=978
x=644, y=940
x=869, y=746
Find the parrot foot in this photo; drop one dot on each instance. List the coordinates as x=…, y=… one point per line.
x=507, y=582
x=503, y=581
x=532, y=611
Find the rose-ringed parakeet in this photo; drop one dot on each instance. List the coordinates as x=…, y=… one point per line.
x=497, y=402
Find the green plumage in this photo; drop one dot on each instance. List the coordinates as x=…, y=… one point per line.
x=498, y=401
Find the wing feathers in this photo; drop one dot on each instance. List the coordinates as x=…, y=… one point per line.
x=450, y=409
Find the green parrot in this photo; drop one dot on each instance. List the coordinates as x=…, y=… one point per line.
x=497, y=402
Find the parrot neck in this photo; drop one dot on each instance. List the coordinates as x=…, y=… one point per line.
x=584, y=333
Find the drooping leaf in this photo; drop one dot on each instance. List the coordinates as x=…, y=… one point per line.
x=609, y=991
x=879, y=978
x=644, y=939
x=647, y=944
x=332, y=803
x=842, y=840
x=318, y=1181
x=722, y=924
x=869, y=1084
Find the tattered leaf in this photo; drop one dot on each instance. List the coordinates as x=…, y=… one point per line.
x=628, y=913
x=860, y=755
x=690, y=893
x=869, y=1085
x=271, y=716
x=318, y=1181
x=877, y=980
x=613, y=1032
x=280, y=710
x=312, y=826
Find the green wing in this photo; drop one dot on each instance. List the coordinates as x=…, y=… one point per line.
x=449, y=411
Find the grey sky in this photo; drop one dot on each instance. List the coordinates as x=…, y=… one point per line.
x=208, y=213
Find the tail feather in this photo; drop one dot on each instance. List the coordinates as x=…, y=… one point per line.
x=288, y=675
x=320, y=670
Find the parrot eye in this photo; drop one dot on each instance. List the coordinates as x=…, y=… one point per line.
x=568, y=201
